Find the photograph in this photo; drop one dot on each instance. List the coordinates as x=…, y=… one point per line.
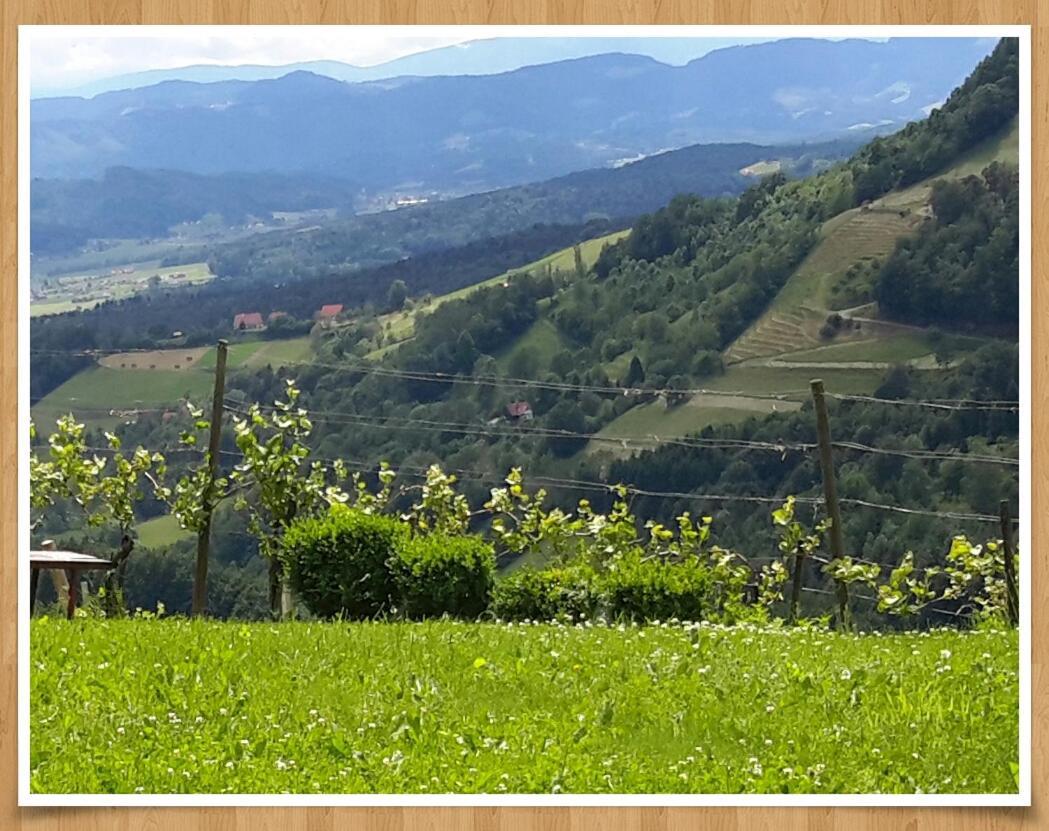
x=524, y=415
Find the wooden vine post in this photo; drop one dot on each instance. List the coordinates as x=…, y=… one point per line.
x=830, y=495
x=1012, y=594
x=200, y=576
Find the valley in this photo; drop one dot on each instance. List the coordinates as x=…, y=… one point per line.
x=582, y=352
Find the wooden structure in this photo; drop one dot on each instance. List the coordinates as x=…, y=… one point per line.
x=72, y=563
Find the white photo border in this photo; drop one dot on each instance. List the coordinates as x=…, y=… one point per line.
x=27, y=34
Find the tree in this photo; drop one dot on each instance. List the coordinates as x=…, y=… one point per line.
x=577, y=255
x=283, y=485
x=635, y=375
x=397, y=295
x=106, y=490
x=567, y=417
x=524, y=363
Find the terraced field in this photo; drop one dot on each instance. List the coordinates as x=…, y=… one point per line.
x=870, y=232
x=793, y=321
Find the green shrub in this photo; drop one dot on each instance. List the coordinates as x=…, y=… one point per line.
x=339, y=564
x=531, y=594
x=438, y=574
x=642, y=589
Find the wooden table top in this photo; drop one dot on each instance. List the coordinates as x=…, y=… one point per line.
x=67, y=559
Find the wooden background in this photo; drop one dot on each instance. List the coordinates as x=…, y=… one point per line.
x=15, y=12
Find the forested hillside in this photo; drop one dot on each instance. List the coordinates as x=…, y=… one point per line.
x=124, y=203
x=610, y=194
x=961, y=268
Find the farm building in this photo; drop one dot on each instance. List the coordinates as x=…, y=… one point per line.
x=272, y=316
x=247, y=321
x=327, y=315
x=519, y=410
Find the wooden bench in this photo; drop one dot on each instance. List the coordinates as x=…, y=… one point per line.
x=72, y=563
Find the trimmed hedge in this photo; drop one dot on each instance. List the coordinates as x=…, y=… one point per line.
x=443, y=575
x=339, y=564
x=356, y=565
x=638, y=589
x=631, y=588
x=530, y=594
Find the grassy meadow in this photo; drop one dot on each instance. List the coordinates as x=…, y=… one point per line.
x=140, y=380
x=174, y=706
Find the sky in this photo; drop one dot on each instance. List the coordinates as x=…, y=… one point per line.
x=66, y=60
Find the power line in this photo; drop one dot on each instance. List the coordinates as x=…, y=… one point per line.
x=971, y=517
x=494, y=380
x=397, y=422
x=932, y=455
x=873, y=599
x=557, y=386
x=641, y=442
x=589, y=485
x=934, y=404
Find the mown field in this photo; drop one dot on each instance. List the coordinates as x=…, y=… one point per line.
x=173, y=706
x=160, y=531
x=137, y=380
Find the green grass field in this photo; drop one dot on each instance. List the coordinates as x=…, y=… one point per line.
x=542, y=338
x=92, y=393
x=655, y=419
x=751, y=382
x=895, y=349
x=253, y=354
x=173, y=706
x=160, y=531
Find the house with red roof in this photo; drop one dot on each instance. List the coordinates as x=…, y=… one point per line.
x=330, y=311
x=248, y=321
x=519, y=411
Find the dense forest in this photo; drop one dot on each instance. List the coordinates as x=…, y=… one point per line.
x=961, y=269
x=125, y=203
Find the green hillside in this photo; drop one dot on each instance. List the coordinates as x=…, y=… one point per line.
x=400, y=326
x=772, y=354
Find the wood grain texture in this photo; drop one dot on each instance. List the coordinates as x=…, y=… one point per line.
x=15, y=12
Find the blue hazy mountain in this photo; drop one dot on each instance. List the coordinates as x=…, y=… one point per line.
x=478, y=57
x=461, y=134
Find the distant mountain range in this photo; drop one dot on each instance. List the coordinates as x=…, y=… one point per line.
x=462, y=134
x=488, y=56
